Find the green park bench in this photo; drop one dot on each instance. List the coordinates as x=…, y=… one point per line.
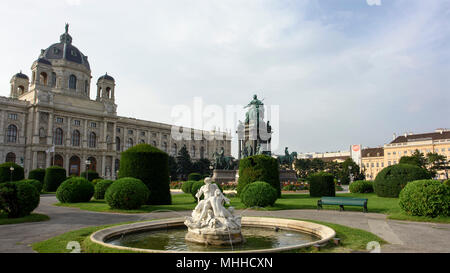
x=342, y=201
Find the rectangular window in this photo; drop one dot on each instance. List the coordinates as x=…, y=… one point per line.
x=389, y=163
x=372, y=165
x=12, y=116
x=59, y=120
x=93, y=124
x=389, y=153
x=77, y=122
x=394, y=153
x=118, y=130
x=154, y=134
x=382, y=164
x=142, y=133
x=130, y=132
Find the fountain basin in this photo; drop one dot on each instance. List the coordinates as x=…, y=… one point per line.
x=319, y=233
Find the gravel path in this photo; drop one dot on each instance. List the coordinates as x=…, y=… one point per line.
x=402, y=236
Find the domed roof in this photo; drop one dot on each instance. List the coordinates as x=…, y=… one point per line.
x=44, y=61
x=65, y=50
x=106, y=77
x=21, y=75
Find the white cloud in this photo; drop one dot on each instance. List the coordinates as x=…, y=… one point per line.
x=374, y=2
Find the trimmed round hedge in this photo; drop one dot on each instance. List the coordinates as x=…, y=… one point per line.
x=321, y=184
x=36, y=183
x=75, y=190
x=5, y=172
x=186, y=187
x=91, y=175
x=361, y=186
x=391, y=180
x=151, y=166
x=259, y=194
x=259, y=168
x=38, y=174
x=100, y=188
x=127, y=193
x=54, y=176
x=18, y=199
x=194, y=177
x=447, y=182
x=425, y=198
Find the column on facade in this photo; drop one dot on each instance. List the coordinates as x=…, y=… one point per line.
x=160, y=141
x=50, y=129
x=85, y=134
x=34, y=166
x=35, y=136
x=105, y=132
x=69, y=133
x=114, y=137
x=2, y=126
x=103, y=165
x=66, y=163
x=113, y=165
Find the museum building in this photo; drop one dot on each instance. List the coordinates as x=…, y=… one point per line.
x=51, y=120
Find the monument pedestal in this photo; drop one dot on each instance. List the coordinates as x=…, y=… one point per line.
x=288, y=176
x=224, y=176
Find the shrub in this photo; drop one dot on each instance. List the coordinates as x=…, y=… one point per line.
x=259, y=168
x=447, y=182
x=18, y=199
x=5, y=172
x=75, y=190
x=187, y=186
x=391, y=180
x=127, y=193
x=36, y=183
x=259, y=194
x=95, y=181
x=425, y=198
x=321, y=184
x=195, y=177
x=361, y=186
x=37, y=174
x=91, y=175
x=197, y=185
x=54, y=176
x=100, y=188
x=151, y=166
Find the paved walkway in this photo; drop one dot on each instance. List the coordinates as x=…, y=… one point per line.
x=402, y=236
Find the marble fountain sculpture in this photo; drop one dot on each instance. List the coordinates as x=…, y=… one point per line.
x=211, y=223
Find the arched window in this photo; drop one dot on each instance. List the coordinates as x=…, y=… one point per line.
x=154, y=143
x=58, y=160
x=21, y=90
x=58, y=136
x=76, y=138
x=108, y=92
x=93, y=164
x=165, y=147
x=72, y=82
x=129, y=143
x=86, y=87
x=193, y=151
x=118, y=144
x=92, y=140
x=43, y=78
x=11, y=157
x=142, y=141
x=42, y=132
x=53, y=79
x=202, y=152
x=11, y=134
x=74, y=165
x=174, y=149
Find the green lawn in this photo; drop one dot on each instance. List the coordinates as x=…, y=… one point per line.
x=34, y=217
x=351, y=240
x=388, y=206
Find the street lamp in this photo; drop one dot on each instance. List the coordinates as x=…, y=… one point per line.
x=11, y=170
x=88, y=162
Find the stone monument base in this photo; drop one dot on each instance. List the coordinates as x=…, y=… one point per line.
x=224, y=176
x=288, y=176
x=216, y=238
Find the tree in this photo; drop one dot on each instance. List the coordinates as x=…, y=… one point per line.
x=201, y=166
x=173, y=167
x=417, y=159
x=349, y=167
x=437, y=162
x=184, y=163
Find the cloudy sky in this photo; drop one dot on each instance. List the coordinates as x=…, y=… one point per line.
x=342, y=72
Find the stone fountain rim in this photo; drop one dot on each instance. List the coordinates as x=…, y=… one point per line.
x=323, y=232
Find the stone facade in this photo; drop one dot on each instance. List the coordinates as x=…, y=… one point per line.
x=51, y=119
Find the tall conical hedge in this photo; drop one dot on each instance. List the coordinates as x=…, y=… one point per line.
x=259, y=168
x=151, y=166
